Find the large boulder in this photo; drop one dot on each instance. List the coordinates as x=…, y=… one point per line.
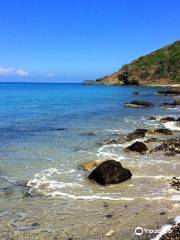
x=139, y=104
x=139, y=147
x=110, y=172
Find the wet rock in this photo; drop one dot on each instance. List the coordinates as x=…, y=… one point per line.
x=151, y=140
x=90, y=134
x=136, y=93
x=173, y=234
x=90, y=165
x=139, y=147
x=109, y=216
x=138, y=133
x=172, y=104
x=163, y=131
x=61, y=129
x=152, y=118
x=175, y=183
x=139, y=104
x=167, y=119
x=110, y=172
x=168, y=145
x=169, y=92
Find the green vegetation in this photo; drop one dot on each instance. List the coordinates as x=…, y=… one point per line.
x=163, y=63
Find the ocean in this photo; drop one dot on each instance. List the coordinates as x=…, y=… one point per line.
x=48, y=130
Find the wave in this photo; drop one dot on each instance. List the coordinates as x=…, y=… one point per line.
x=172, y=126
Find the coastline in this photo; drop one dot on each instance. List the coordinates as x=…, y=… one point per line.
x=111, y=212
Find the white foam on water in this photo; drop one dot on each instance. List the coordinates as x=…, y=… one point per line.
x=175, y=197
x=172, y=126
x=109, y=151
x=154, y=177
x=166, y=228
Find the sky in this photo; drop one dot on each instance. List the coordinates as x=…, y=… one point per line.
x=76, y=40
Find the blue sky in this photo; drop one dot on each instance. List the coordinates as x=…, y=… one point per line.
x=73, y=40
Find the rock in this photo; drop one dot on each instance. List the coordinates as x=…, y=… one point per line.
x=152, y=118
x=109, y=216
x=138, y=133
x=175, y=183
x=90, y=165
x=169, y=145
x=172, y=104
x=138, y=147
x=110, y=233
x=177, y=101
x=139, y=104
x=173, y=234
x=136, y=93
x=163, y=131
x=110, y=172
x=169, y=92
x=167, y=119
x=61, y=129
x=90, y=134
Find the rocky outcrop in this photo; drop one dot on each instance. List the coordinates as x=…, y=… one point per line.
x=160, y=67
x=139, y=104
x=167, y=119
x=172, y=104
x=164, y=131
x=169, y=145
x=139, y=147
x=175, y=183
x=169, y=92
x=110, y=172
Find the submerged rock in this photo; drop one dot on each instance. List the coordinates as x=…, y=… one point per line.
x=136, y=93
x=139, y=104
x=172, y=104
x=139, y=147
x=163, y=131
x=90, y=134
x=110, y=172
x=90, y=165
x=167, y=119
x=152, y=118
x=169, y=92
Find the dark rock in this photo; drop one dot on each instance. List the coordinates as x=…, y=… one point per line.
x=162, y=213
x=173, y=234
x=135, y=93
x=167, y=119
x=175, y=183
x=169, y=92
x=169, y=145
x=152, y=118
x=138, y=133
x=137, y=104
x=109, y=216
x=172, y=104
x=110, y=172
x=150, y=140
x=90, y=134
x=163, y=131
x=138, y=147
x=61, y=129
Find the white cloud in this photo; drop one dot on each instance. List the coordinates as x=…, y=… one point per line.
x=11, y=71
x=51, y=75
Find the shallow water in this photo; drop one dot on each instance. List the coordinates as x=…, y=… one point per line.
x=47, y=130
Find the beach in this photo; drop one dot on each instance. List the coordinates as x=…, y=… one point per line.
x=49, y=130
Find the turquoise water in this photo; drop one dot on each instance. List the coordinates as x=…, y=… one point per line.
x=47, y=130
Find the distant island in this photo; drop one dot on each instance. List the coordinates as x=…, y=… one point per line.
x=161, y=67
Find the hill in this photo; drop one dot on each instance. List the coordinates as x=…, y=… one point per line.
x=161, y=67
